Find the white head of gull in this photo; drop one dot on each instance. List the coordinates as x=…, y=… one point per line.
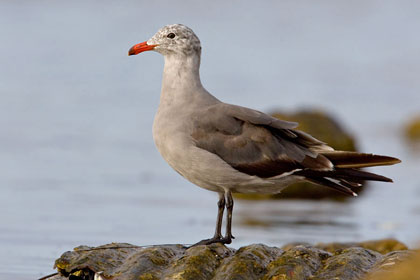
x=231, y=149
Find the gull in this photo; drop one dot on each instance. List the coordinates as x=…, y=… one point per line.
x=229, y=149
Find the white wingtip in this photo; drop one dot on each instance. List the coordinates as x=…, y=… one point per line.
x=355, y=194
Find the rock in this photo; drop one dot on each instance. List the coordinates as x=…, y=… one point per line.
x=412, y=130
x=123, y=261
x=382, y=246
x=324, y=127
x=198, y=262
x=350, y=263
x=248, y=262
x=299, y=262
x=393, y=268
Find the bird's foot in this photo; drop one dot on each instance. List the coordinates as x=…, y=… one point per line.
x=216, y=239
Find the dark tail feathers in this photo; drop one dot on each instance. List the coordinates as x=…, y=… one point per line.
x=345, y=177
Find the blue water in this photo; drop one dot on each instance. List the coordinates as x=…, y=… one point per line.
x=77, y=159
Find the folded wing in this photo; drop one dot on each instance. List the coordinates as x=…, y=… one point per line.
x=257, y=144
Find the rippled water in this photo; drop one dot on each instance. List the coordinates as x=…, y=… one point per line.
x=77, y=160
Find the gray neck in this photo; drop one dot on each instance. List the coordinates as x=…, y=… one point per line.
x=181, y=80
x=181, y=72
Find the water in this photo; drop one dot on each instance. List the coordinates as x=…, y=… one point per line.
x=77, y=160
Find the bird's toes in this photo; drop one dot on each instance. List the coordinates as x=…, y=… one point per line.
x=206, y=242
x=216, y=239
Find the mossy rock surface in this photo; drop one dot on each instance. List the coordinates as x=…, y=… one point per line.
x=257, y=261
x=324, y=127
x=383, y=246
x=408, y=269
x=412, y=130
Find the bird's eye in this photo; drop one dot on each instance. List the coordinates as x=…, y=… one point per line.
x=171, y=35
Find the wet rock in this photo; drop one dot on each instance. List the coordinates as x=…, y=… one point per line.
x=298, y=262
x=382, y=246
x=117, y=259
x=125, y=262
x=198, y=262
x=248, y=262
x=400, y=265
x=351, y=263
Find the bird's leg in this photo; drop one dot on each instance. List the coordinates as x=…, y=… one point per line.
x=218, y=232
x=229, y=206
x=221, y=208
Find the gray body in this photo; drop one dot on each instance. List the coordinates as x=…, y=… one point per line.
x=184, y=105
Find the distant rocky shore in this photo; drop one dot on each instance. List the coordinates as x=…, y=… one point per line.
x=124, y=261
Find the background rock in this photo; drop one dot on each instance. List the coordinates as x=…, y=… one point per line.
x=412, y=129
x=382, y=246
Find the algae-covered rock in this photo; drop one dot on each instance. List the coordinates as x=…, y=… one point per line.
x=298, y=262
x=121, y=261
x=396, y=266
x=248, y=262
x=117, y=259
x=350, y=263
x=412, y=130
x=198, y=262
x=382, y=246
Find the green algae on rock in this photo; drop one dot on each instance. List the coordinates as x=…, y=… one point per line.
x=393, y=268
x=121, y=261
x=350, y=263
x=117, y=259
x=248, y=262
x=382, y=246
x=298, y=262
x=198, y=262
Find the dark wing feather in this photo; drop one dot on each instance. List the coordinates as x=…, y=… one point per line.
x=340, y=186
x=255, y=143
x=345, y=159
